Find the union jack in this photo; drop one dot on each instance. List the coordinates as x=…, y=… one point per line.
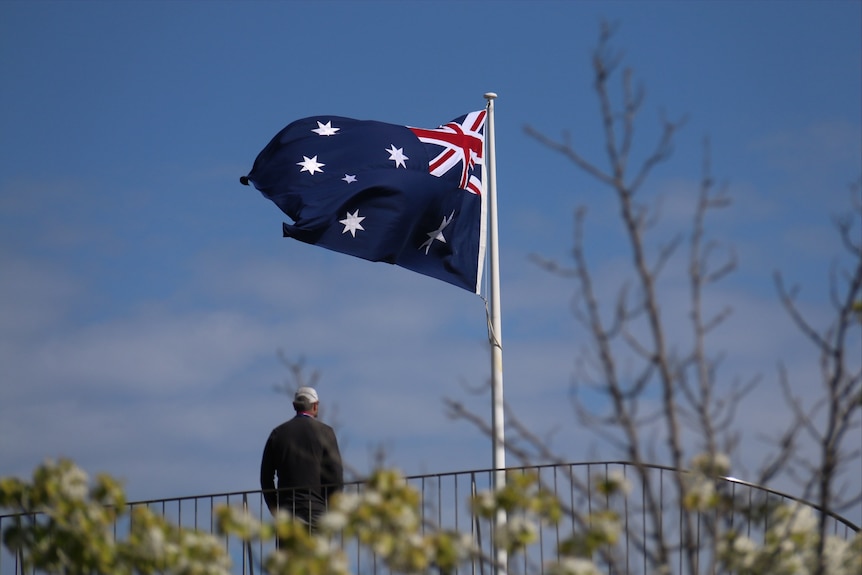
x=462, y=144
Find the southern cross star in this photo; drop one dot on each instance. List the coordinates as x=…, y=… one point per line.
x=438, y=233
x=348, y=178
x=352, y=223
x=325, y=129
x=397, y=154
x=310, y=165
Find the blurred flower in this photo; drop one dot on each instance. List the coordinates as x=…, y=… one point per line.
x=711, y=464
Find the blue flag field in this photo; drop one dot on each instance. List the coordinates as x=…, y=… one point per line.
x=382, y=192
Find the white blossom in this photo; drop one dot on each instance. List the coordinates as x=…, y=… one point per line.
x=153, y=543
x=346, y=502
x=73, y=483
x=795, y=519
x=700, y=493
x=282, y=516
x=840, y=559
x=711, y=464
x=323, y=547
x=372, y=498
x=333, y=520
x=466, y=543
x=618, y=482
x=485, y=503
x=406, y=518
x=739, y=550
x=516, y=529
x=607, y=526
x=245, y=524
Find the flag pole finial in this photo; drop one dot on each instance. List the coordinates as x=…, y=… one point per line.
x=490, y=95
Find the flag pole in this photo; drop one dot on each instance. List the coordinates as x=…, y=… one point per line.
x=494, y=327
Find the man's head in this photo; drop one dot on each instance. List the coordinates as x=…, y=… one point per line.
x=305, y=400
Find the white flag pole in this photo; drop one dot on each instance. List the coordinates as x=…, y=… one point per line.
x=494, y=325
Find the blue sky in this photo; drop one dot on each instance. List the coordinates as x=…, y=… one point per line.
x=145, y=294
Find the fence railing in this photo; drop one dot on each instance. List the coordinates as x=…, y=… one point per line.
x=446, y=504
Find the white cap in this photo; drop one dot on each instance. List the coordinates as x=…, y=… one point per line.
x=306, y=394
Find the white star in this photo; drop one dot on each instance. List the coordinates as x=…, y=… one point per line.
x=310, y=165
x=348, y=178
x=438, y=233
x=352, y=223
x=325, y=129
x=397, y=154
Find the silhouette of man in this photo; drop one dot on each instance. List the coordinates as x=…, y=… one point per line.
x=303, y=453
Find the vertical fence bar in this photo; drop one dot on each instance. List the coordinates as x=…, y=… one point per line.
x=422, y=503
x=644, y=513
x=440, y=503
x=626, y=514
x=681, y=536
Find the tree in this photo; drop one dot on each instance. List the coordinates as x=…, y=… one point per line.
x=831, y=421
x=67, y=526
x=650, y=387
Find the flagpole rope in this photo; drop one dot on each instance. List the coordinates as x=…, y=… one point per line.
x=493, y=340
x=492, y=336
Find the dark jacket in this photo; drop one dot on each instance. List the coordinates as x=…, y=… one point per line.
x=304, y=453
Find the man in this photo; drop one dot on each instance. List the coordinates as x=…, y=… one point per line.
x=303, y=452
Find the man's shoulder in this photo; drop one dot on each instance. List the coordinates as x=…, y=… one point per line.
x=319, y=424
x=285, y=424
x=301, y=421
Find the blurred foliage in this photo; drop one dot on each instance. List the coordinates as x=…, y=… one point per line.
x=66, y=524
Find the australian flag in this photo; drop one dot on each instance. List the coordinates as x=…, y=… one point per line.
x=383, y=192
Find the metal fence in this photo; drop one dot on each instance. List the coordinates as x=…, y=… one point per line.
x=446, y=504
